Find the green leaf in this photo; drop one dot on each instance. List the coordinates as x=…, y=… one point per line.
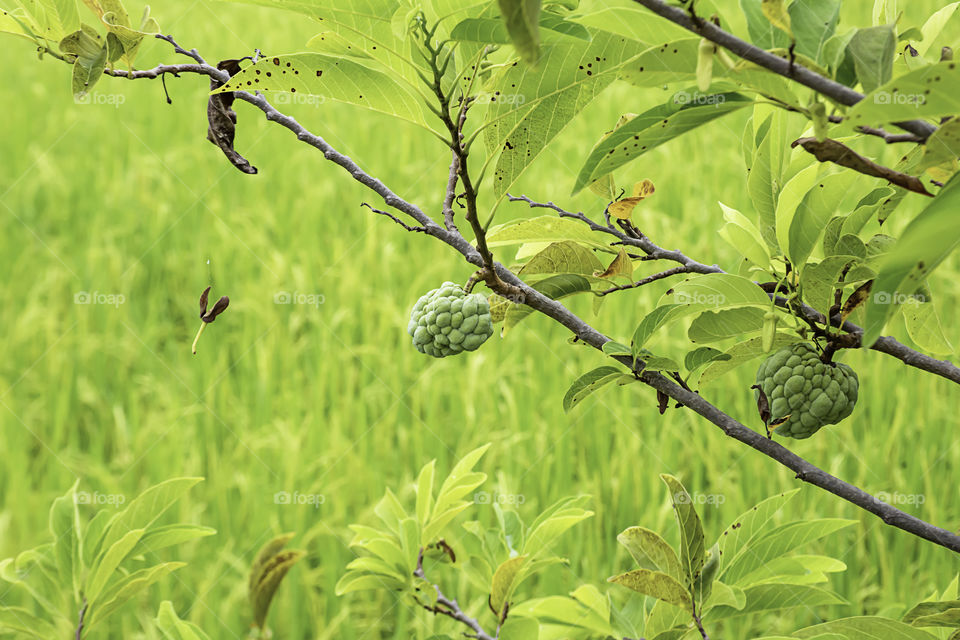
x=563, y=257
x=741, y=234
x=21, y=620
x=762, y=32
x=703, y=356
x=520, y=628
x=425, y=493
x=460, y=482
x=931, y=91
x=663, y=64
x=764, y=181
x=651, y=129
x=173, y=628
x=934, y=26
x=544, y=229
x=858, y=628
x=121, y=591
x=91, y=59
x=744, y=352
x=818, y=282
x=367, y=24
x=777, y=543
x=725, y=595
x=923, y=326
x=796, y=569
x=945, y=613
x=588, y=383
x=813, y=23
x=660, y=316
x=330, y=77
x=712, y=326
x=651, y=551
x=717, y=291
x=789, y=199
x=776, y=597
x=614, y=348
x=813, y=213
x=504, y=579
x=146, y=508
x=924, y=244
x=691, y=531
x=102, y=570
x=64, y=521
x=552, y=523
x=157, y=538
x=561, y=610
x=522, y=18
x=267, y=572
x=872, y=49
x=656, y=585
x=632, y=22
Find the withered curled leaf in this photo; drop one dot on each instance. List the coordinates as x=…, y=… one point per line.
x=222, y=119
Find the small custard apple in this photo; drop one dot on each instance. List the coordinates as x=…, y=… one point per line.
x=813, y=393
x=447, y=321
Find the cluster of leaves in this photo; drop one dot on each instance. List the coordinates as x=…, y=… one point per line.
x=495, y=560
x=93, y=566
x=57, y=29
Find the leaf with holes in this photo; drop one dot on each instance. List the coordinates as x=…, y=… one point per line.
x=328, y=77
x=651, y=129
x=570, y=76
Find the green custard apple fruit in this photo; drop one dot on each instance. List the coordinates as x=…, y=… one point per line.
x=813, y=393
x=448, y=321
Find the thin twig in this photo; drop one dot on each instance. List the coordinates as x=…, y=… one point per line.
x=394, y=218
x=447, y=607
x=639, y=283
x=83, y=614
x=700, y=628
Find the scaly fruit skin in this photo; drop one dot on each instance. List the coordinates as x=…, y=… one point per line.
x=448, y=321
x=811, y=392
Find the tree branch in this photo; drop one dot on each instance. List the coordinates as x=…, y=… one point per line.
x=885, y=344
x=508, y=283
x=786, y=68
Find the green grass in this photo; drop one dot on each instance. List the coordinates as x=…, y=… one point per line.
x=332, y=399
